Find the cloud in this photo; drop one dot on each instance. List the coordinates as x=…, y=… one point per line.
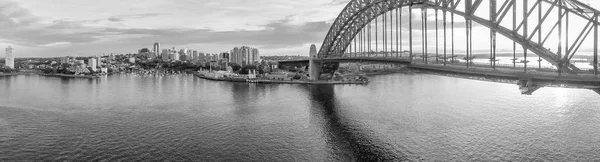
x=55, y=44
x=135, y=16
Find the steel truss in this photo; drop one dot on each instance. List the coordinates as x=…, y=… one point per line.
x=357, y=16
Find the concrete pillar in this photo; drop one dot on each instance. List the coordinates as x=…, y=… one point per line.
x=314, y=66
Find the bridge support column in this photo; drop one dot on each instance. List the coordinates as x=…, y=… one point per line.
x=314, y=67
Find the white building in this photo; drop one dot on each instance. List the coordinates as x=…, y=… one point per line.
x=10, y=59
x=92, y=63
x=132, y=59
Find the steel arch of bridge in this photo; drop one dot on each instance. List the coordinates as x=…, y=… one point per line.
x=359, y=13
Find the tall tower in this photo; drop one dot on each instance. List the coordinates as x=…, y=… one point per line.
x=313, y=51
x=10, y=60
x=156, y=49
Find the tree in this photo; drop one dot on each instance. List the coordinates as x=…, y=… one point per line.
x=6, y=69
x=235, y=67
x=245, y=69
x=65, y=65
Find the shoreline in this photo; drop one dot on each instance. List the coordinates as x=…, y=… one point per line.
x=70, y=76
x=265, y=81
x=20, y=73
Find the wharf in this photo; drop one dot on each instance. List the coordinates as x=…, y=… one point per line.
x=266, y=81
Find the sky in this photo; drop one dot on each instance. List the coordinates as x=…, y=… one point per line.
x=46, y=28
x=75, y=27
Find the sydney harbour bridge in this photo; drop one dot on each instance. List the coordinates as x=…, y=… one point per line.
x=546, y=42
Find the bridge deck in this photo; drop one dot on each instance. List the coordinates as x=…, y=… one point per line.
x=516, y=74
x=403, y=60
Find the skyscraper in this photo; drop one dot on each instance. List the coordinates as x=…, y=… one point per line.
x=175, y=55
x=156, y=50
x=99, y=61
x=195, y=55
x=255, y=56
x=236, y=56
x=244, y=55
x=10, y=60
x=201, y=56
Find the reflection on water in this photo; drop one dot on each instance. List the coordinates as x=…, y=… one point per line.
x=395, y=117
x=354, y=141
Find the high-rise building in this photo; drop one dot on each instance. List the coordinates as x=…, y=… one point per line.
x=175, y=55
x=156, y=49
x=195, y=55
x=235, y=56
x=99, y=62
x=224, y=55
x=165, y=54
x=10, y=59
x=255, y=56
x=201, y=56
x=182, y=53
x=92, y=63
x=244, y=55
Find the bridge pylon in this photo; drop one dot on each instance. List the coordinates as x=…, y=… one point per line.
x=314, y=66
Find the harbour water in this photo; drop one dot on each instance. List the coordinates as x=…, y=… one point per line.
x=394, y=117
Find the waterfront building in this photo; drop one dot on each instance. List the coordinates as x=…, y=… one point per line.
x=244, y=55
x=80, y=69
x=92, y=63
x=10, y=59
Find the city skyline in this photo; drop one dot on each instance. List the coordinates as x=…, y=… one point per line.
x=92, y=28
x=282, y=27
x=300, y=80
